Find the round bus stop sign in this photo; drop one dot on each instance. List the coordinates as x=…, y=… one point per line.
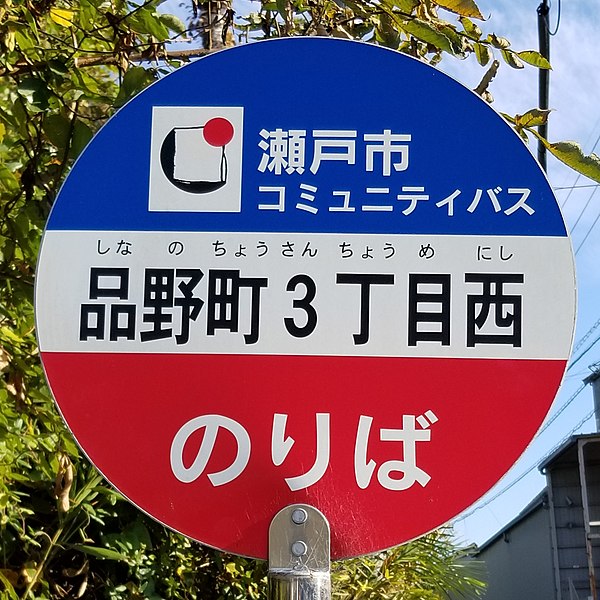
x=305, y=271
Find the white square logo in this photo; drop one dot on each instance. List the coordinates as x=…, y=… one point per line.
x=196, y=159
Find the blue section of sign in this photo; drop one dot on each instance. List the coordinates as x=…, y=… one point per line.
x=338, y=136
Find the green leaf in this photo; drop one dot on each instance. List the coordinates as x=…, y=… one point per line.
x=135, y=80
x=31, y=19
x=282, y=7
x=458, y=41
x=470, y=28
x=90, y=85
x=8, y=587
x=10, y=40
x=97, y=552
x=532, y=118
x=20, y=117
x=82, y=135
x=498, y=42
x=523, y=134
x=386, y=33
x=68, y=445
x=173, y=23
x=57, y=128
x=58, y=67
x=572, y=155
x=87, y=11
x=511, y=59
x=24, y=40
x=405, y=6
x=531, y=57
x=464, y=8
x=148, y=22
x=35, y=92
x=426, y=33
x=8, y=181
x=62, y=16
x=483, y=54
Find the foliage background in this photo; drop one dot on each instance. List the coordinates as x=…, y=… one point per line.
x=65, y=66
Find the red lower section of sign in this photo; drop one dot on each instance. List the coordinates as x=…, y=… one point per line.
x=125, y=410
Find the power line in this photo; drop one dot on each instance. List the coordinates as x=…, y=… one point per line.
x=586, y=336
x=560, y=410
x=574, y=362
x=586, y=205
x=575, y=187
x=583, y=209
x=497, y=495
x=588, y=233
x=566, y=437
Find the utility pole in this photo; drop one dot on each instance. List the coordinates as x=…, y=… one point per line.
x=544, y=74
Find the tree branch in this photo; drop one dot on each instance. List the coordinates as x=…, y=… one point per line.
x=108, y=60
x=487, y=78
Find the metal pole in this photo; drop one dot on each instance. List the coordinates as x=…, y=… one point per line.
x=299, y=559
x=544, y=74
x=594, y=380
x=589, y=549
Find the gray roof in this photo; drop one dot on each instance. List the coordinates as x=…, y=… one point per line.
x=564, y=447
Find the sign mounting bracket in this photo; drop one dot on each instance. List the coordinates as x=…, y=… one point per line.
x=299, y=556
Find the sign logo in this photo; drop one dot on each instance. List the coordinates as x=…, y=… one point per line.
x=196, y=159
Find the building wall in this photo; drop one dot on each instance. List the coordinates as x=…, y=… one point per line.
x=563, y=476
x=572, y=530
x=520, y=558
x=519, y=561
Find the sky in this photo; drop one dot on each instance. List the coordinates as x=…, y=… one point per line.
x=574, y=92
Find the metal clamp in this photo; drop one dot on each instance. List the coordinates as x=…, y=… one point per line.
x=299, y=558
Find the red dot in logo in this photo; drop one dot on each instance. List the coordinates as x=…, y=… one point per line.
x=218, y=132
